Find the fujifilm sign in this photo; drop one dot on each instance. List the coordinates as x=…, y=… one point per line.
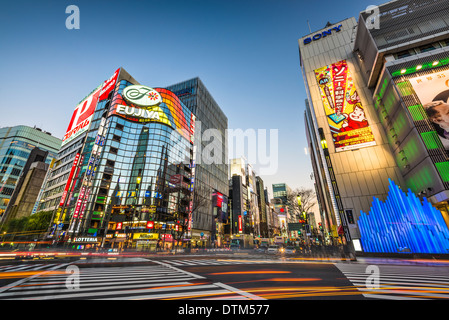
x=323, y=34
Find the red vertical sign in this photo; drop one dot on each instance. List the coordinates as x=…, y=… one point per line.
x=240, y=224
x=69, y=180
x=109, y=85
x=339, y=76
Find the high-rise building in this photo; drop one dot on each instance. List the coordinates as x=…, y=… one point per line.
x=281, y=204
x=28, y=186
x=211, y=157
x=376, y=92
x=16, y=145
x=262, y=203
x=127, y=161
x=248, y=205
x=405, y=62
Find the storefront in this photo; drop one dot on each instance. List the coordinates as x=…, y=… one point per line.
x=85, y=243
x=145, y=241
x=200, y=238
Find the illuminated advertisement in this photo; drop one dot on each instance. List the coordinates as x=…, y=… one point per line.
x=145, y=104
x=142, y=96
x=109, y=85
x=433, y=92
x=345, y=113
x=69, y=180
x=82, y=117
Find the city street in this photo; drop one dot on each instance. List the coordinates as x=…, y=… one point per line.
x=223, y=277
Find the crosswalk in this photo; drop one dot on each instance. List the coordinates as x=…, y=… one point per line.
x=395, y=282
x=158, y=281
x=26, y=267
x=217, y=262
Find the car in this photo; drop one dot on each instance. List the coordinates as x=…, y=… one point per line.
x=273, y=249
x=290, y=250
x=234, y=247
x=261, y=249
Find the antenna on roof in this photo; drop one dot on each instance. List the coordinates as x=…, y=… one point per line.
x=310, y=30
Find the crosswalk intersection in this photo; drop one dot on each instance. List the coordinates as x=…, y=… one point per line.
x=394, y=282
x=158, y=281
x=217, y=262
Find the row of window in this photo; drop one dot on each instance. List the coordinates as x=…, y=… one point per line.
x=421, y=49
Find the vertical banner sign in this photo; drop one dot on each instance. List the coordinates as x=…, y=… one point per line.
x=69, y=180
x=192, y=127
x=345, y=114
x=240, y=224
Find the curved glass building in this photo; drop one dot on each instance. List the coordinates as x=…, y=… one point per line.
x=132, y=176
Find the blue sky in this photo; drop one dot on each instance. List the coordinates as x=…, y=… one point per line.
x=245, y=52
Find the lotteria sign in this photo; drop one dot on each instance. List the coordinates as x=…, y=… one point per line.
x=321, y=35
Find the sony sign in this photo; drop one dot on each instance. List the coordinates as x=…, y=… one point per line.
x=323, y=34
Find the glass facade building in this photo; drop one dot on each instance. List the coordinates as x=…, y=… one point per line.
x=130, y=183
x=16, y=144
x=211, y=176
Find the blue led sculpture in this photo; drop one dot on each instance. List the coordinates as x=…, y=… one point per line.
x=403, y=224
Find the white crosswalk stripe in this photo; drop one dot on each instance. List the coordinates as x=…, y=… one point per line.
x=208, y=262
x=160, y=281
x=397, y=282
x=25, y=267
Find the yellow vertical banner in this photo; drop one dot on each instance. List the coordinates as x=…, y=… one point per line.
x=344, y=110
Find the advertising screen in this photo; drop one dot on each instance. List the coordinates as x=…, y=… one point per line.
x=69, y=180
x=167, y=109
x=345, y=113
x=433, y=93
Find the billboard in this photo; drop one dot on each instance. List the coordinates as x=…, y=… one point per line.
x=343, y=108
x=433, y=93
x=82, y=117
x=109, y=85
x=143, y=104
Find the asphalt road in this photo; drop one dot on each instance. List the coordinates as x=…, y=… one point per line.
x=223, y=278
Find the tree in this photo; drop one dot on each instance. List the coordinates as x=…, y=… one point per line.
x=307, y=201
x=36, y=222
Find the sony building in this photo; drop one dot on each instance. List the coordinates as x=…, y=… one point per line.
x=375, y=112
x=354, y=149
